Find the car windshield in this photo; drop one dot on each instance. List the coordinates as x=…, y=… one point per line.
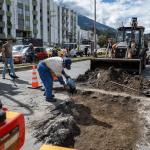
x=24, y=50
x=72, y=46
x=17, y=48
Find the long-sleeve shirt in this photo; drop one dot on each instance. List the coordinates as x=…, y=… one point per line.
x=56, y=67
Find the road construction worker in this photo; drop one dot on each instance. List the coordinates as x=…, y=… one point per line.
x=53, y=67
x=31, y=51
x=55, y=50
x=7, y=58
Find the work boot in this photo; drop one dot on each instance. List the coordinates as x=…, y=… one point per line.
x=3, y=77
x=52, y=95
x=16, y=76
x=51, y=100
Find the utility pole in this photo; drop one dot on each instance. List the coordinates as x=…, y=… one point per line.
x=95, y=42
x=51, y=24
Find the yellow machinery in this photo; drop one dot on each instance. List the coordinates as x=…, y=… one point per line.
x=50, y=147
x=129, y=52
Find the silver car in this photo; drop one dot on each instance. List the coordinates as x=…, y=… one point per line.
x=18, y=48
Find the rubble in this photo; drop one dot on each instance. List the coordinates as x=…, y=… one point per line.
x=90, y=80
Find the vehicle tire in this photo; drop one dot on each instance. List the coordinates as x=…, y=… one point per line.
x=62, y=56
x=23, y=61
x=81, y=54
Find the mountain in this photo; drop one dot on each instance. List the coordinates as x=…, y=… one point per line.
x=86, y=22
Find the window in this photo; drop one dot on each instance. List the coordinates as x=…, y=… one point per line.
x=20, y=1
x=0, y=5
x=8, y=31
x=8, y=7
x=8, y=19
x=40, y=18
x=34, y=26
x=1, y=18
x=27, y=23
x=42, y=49
x=1, y=30
x=27, y=13
x=48, y=12
x=41, y=27
x=40, y=10
x=20, y=22
x=34, y=7
x=48, y=20
x=48, y=28
x=20, y=11
x=37, y=50
x=34, y=17
x=27, y=2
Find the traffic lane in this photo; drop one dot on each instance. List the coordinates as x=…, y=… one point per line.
x=146, y=72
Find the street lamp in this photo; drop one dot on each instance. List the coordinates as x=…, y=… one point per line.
x=121, y=20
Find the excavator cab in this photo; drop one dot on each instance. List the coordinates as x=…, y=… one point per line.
x=129, y=52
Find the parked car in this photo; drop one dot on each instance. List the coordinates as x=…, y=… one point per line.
x=101, y=51
x=18, y=48
x=22, y=57
x=60, y=53
x=148, y=56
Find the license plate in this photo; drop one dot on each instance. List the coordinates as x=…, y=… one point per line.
x=16, y=59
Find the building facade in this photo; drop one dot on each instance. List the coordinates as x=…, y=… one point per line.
x=41, y=19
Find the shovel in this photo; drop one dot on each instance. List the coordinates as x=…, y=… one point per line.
x=147, y=95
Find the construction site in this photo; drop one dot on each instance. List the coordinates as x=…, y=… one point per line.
x=106, y=107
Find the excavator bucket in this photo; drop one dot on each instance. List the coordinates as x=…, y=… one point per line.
x=129, y=65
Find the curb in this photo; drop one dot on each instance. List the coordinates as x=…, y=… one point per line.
x=23, y=68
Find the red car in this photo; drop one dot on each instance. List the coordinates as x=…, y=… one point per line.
x=22, y=56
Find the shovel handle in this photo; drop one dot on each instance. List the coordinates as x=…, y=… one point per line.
x=125, y=86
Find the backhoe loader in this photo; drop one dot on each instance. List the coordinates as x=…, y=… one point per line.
x=129, y=52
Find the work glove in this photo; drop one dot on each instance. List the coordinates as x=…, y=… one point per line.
x=66, y=76
x=66, y=87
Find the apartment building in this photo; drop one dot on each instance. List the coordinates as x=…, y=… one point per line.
x=41, y=19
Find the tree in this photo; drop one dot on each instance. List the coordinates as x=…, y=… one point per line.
x=102, y=40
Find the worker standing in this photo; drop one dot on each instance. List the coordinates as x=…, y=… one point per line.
x=86, y=50
x=7, y=58
x=49, y=68
x=55, y=50
x=31, y=51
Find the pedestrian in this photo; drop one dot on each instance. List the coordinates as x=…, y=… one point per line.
x=31, y=51
x=69, y=51
x=53, y=67
x=7, y=58
x=55, y=51
x=86, y=50
x=95, y=50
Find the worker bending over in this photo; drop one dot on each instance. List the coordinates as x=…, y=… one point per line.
x=53, y=67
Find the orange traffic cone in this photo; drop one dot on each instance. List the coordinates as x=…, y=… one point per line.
x=55, y=78
x=35, y=83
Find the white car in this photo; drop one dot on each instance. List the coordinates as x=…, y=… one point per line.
x=18, y=48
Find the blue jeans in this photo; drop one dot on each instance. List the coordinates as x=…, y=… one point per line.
x=46, y=78
x=11, y=62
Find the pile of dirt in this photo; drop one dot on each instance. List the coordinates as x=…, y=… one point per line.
x=102, y=79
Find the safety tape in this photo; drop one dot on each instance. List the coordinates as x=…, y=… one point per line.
x=34, y=80
x=34, y=70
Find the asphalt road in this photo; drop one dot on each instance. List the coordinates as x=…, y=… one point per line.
x=31, y=103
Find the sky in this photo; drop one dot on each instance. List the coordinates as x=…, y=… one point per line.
x=110, y=11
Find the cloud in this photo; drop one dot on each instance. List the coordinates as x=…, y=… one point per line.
x=109, y=13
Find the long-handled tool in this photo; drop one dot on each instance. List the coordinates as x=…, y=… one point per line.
x=147, y=95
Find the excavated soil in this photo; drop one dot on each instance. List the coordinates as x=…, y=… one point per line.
x=101, y=79
x=106, y=122
x=92, y=121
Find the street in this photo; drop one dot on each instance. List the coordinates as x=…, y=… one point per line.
x=31, y=102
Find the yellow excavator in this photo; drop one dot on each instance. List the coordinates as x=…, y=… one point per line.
x=129, y=52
